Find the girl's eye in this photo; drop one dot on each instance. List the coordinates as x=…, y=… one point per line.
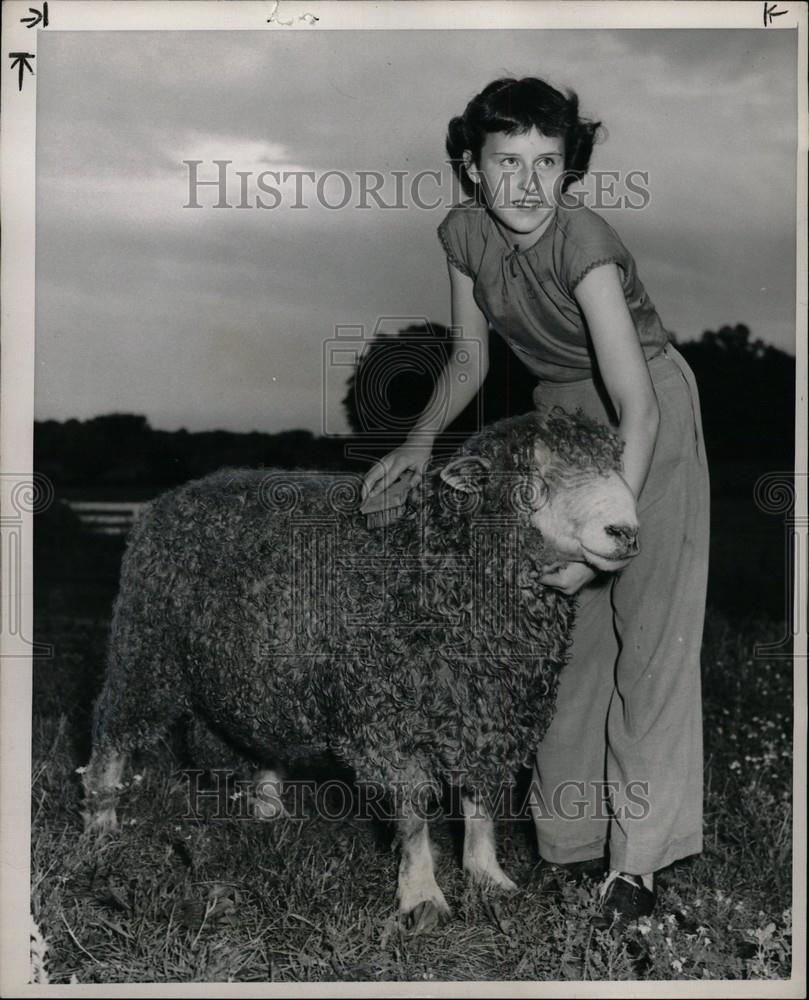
x=509, y=161
x=546, y=161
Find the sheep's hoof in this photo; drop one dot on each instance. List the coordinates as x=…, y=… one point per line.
x=426, y=916
x=492, y=880
x=102, y=822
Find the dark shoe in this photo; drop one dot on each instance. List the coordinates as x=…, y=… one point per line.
x=624, y=898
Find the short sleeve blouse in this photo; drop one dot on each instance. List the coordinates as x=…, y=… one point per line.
x=527, y=295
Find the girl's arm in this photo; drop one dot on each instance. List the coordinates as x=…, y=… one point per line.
x=623, y=368
x=626, y=377
x=457, y=385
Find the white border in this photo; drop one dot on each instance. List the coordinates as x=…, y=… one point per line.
x=17, y=183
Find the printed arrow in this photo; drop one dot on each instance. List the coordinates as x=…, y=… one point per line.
x=21, y=59
x=38, y=16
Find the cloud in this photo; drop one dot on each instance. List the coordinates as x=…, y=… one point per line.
x=190, y=313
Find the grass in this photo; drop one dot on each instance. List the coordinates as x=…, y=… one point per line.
x=174, y=898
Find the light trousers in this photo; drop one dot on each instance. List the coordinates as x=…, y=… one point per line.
x=619, y=771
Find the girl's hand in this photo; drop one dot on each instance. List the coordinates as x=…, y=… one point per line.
x=569, y=578
x=388, y=469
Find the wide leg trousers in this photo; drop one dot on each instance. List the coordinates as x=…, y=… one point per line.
x=620, y=768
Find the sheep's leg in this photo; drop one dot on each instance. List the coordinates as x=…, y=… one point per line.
x=138, y=704
x=123, y=723
x=479, y=852
x=102, y=781
x=267, y=803
x=421, y=901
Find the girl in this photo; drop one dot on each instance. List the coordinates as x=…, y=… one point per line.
x=554, y=279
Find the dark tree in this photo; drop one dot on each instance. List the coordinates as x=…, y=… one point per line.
x=394, y=380
x=747, y=391
x=747, y=394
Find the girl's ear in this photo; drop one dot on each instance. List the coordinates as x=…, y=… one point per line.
x=469, y=163
x=467, y=473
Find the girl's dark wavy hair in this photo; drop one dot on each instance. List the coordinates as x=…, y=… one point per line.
x=514, y=107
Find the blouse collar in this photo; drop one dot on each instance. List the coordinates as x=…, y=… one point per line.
x=513, y=248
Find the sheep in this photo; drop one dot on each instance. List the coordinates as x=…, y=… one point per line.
x=423, y=654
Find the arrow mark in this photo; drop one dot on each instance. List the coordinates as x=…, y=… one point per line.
x=20, y=59
x=38, y=16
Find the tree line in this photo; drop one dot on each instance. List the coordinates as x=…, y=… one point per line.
x=747, y=391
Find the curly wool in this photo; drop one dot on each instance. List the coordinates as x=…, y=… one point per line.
x=427, y=651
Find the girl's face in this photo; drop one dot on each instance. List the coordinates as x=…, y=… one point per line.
x=520, y=176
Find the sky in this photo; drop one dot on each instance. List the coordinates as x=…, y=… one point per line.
x=248, y=318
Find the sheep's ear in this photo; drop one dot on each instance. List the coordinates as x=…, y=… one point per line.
x=467, y=473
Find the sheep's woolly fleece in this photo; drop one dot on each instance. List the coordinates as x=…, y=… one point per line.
x=387, y=651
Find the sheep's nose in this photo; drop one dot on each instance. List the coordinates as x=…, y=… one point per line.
x=626, y=535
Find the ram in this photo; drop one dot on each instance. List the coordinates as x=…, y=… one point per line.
x=422, y=654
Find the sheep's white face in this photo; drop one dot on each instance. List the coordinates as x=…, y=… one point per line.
x=586, y=516
x=583, y=515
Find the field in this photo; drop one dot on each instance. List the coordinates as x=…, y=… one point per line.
x=178, y=897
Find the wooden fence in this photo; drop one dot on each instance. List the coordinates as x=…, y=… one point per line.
x=106, y=518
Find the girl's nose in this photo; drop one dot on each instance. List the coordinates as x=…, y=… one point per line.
x=532, y=185
x=528, y=184
x=521, y=185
